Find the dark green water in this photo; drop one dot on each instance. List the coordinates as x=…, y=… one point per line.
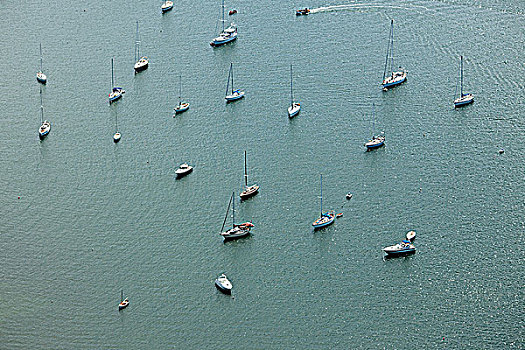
x=94, y=217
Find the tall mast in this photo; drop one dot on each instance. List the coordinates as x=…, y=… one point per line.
x=388, y=50
x=232, y=75
x=373, y=118
x=112, y=82
x=121, y=295
x=223, y=20
x=461, y=74
x=227, y=212
x=180, y=89
x=116, y=121
x=321, y=194
x=40, y=56
x=137, y=44
x=245, y=171
x=233, y=209
x=229, y=74
x=392, y=47
x=41, y=107
x=291, y=86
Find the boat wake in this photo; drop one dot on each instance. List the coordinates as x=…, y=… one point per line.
x=350, y=7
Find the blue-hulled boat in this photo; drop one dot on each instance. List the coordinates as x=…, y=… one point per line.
x=463, y=99
x=226, y=35
x=116, y=92
x=235, y=94
x=326, y=218
x=166, y=6
x=392, y=78
x=402, y=248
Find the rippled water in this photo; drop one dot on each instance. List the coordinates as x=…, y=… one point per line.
x=94, y=217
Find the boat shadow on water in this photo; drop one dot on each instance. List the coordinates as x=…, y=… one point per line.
x=407, y=255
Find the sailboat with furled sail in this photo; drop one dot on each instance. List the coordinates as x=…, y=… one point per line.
x=117, y=135
x=235, y=94
x=249, y=191
x=295, y=107
x=45, y=126
x=237, y=230
x=227, y=34
x=182, y=106
x=116, y=92
x=326, y=218
x=141, y=63
x=392, y=78
x=40, y=76
x=463, y=99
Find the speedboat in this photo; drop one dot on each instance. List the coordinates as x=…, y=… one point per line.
x=41, y=77
x=325, y=220
x=227, y=35
x=116, y=137
x=44, y=129
x=238, y=231
x=181, y=107
x=465, y=99
x=294, y=109
x=141, y=64
x=123, y=304
x=403, y=248
x=183, y=170
x=375, y=142
x=223, y=284
x=115, y=94
x=166, y=6
x=395, y=79
x=411, y=236
x=234, y=96
x=249, y=191
x=302, y=12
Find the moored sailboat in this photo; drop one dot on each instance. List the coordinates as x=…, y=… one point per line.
x=295, y=107
x=237, y=230
x=377, y=140
x=117, y=135
x=326, y=218
x=463, y=99
x=166, y=6
x=45, y=126
x=116, y=92
x=249, y=191
x=123, y=302
x=40, y=76
x=392, y=78
x=141, y=62
x=182, y=106
x=234, y=94
x=227, y=34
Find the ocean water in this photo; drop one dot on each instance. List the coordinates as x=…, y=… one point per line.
x=84, y=218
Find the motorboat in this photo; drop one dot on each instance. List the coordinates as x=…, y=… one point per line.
x=183, y=170
x=166, y=6
x=302, y=12
x=402, y=248
x=223, y=284
x=227, y=35
x=116, y=137
x=325, y=220
x=375, y=142
x=411, y=236
x=44, y=129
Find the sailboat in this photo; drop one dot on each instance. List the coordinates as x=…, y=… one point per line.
x=295, y=107
x=249, y=191
x=226, y=35
x=377, y=140
x=116, y=92
x=166, y=6
x=141, y=62
x=123, y=302
x=182, y=106
x=45, y=126
x=235, y=94
x=326, y=218
x=463, y=99
x=117, y=135
x=390, y=77
x=237, y=231
x=40, y=76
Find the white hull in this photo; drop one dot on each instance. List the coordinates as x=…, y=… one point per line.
x=183, y=107
x=41, y=77
x=45, y=128
x=395, y=79
x=465, y=100
x=141, y=65
x=223, y=38
x=166, y=6
x=115, y=95
x=237, y=95
x=183, y=170
x=116, y=137
x=294, y=110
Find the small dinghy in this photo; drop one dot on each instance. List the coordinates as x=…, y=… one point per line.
x=302, y=12
x=223, y=284
x=123, y=302
x=403, y=248
x=339, y=215
x=116, y=137
x=349, y=196
x=166, y=6
x=183, y=170
x=411, y=236
x=232, y=12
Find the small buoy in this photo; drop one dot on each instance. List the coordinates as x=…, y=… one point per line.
x=420, y=189
x=18, y=197
x=385, y=89
x=501, y=151
x=339, y=215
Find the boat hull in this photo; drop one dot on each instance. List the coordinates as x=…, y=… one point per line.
x=41, y=78
x=116, y=137
x=123, y=305
x=375, y=145
x=115, y=95
x=184, y=173
x=234, y=97
x=249, y=193
x=222, y=288
x=181, y=108
x=224, y=40
x=238, y=234
x=395, y=82
x=166, y=7
x=139, y=67
x=320, y=225
x=400, y=252
x=294, y=110
x=463, y=101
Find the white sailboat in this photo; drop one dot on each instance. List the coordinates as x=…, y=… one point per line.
x=237, y=230
x=463, y=99
x=392, y=78
x=117, y=135
x=249, y=191
x=226, y=35
x=116, y=92
x=182, y=106
x=295, y=107
x=40, y=76
x=123, y=302
x=235, y=94
x=166, y=6
x=326, y=218
x=377, y=140
x=141, y=63
x=45, y=126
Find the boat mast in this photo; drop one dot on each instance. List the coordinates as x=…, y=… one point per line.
x=227, y=212
x=233, y=209
x=229, y=74
x=232, y=75
x=389, y=49
x=245, y=171
x=291, y=87
x=112, y=82
x=121, y=295
x=41, y=108
x=461, y=75
x=223, y=20
x=392, y=48
x=41, y=57
x=180, y=89
x=373, y=118
x=137, y=44
x=321, y=194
